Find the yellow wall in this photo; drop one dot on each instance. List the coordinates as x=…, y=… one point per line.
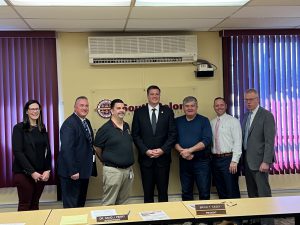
x=79, y=78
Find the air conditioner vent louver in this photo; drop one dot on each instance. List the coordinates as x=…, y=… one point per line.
x=142, y=49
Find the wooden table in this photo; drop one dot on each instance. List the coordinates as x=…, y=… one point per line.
x=37, y=217
x=251, y=207
x=175, y=210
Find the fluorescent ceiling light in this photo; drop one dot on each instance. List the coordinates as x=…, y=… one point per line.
x=190, y=2
x=71, y=2
x=2, y=2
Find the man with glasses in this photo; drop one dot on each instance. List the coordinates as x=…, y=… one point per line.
x=258, y=147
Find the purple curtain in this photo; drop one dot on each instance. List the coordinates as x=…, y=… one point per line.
x=269, y=61
x=28, y=70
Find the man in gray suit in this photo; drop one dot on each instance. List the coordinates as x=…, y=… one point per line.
x=258, y=144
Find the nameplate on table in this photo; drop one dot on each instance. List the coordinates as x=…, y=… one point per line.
x=210, y=209
x=112, y=218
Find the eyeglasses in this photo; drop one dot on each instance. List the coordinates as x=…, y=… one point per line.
x=34, y=109
x=250, y=99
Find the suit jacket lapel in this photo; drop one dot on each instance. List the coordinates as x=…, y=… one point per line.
x=147, y=116
x=160, y=114
x=80, y=124
x=255, y=120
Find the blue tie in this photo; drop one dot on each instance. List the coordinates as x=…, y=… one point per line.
x=247, y=128
x=87, y=131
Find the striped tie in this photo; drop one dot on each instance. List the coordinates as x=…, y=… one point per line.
x=87, y=131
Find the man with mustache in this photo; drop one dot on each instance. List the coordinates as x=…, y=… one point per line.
x=114, y=147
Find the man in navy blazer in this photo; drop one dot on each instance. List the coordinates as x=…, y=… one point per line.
x=154, y=134
x=76, y=156
x=258, y=148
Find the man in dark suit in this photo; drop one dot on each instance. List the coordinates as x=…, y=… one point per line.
x=258, y=144
x=154, y=134
x=76, y=156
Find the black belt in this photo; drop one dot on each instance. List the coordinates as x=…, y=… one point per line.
x=222, y=155
x=115, y=166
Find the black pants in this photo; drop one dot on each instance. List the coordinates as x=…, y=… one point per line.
x=155, y=175
x=73, y=192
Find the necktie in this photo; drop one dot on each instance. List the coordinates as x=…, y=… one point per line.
x=87, y=131
x=153, y=120
x=247, y=127
x=217, y=138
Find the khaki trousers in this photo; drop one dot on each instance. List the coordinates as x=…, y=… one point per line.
x=116, y=185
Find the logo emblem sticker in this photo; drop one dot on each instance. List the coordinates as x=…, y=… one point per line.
x=103, y=108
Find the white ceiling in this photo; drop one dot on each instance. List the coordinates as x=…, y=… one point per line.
x=261, y=14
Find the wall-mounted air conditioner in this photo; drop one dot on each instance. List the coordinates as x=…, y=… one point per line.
x=142, y=49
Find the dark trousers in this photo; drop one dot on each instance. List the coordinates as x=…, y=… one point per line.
x=155, y=175
x=29, y=191
x=73, y=192
x=197, y=170
x=227, y=184
x=258, y=186
x=257, y=183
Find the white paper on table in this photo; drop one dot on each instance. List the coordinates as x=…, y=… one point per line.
x=154, y=215
x=104, y=212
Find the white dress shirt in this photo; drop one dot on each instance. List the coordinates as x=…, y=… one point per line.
x=230, y=136
x=253, y=115
x=156, y=111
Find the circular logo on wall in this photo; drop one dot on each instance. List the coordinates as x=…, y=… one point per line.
x=103, y=108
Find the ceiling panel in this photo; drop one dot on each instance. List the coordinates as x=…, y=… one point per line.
x=268, y=11
x=182, y=12
x=13, y=24
x=74, y=12
x=266, y=23
x=174, y=24
x=7, y=12
x=53, y=24
x=274, y=2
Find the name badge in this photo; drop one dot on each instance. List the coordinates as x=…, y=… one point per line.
x=112, y=218
x=210, y=209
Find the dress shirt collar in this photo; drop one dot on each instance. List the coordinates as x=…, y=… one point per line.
x=222, y=116
x=254, y=113
x=255, y=110
x=156, y=107
x=82, y=119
